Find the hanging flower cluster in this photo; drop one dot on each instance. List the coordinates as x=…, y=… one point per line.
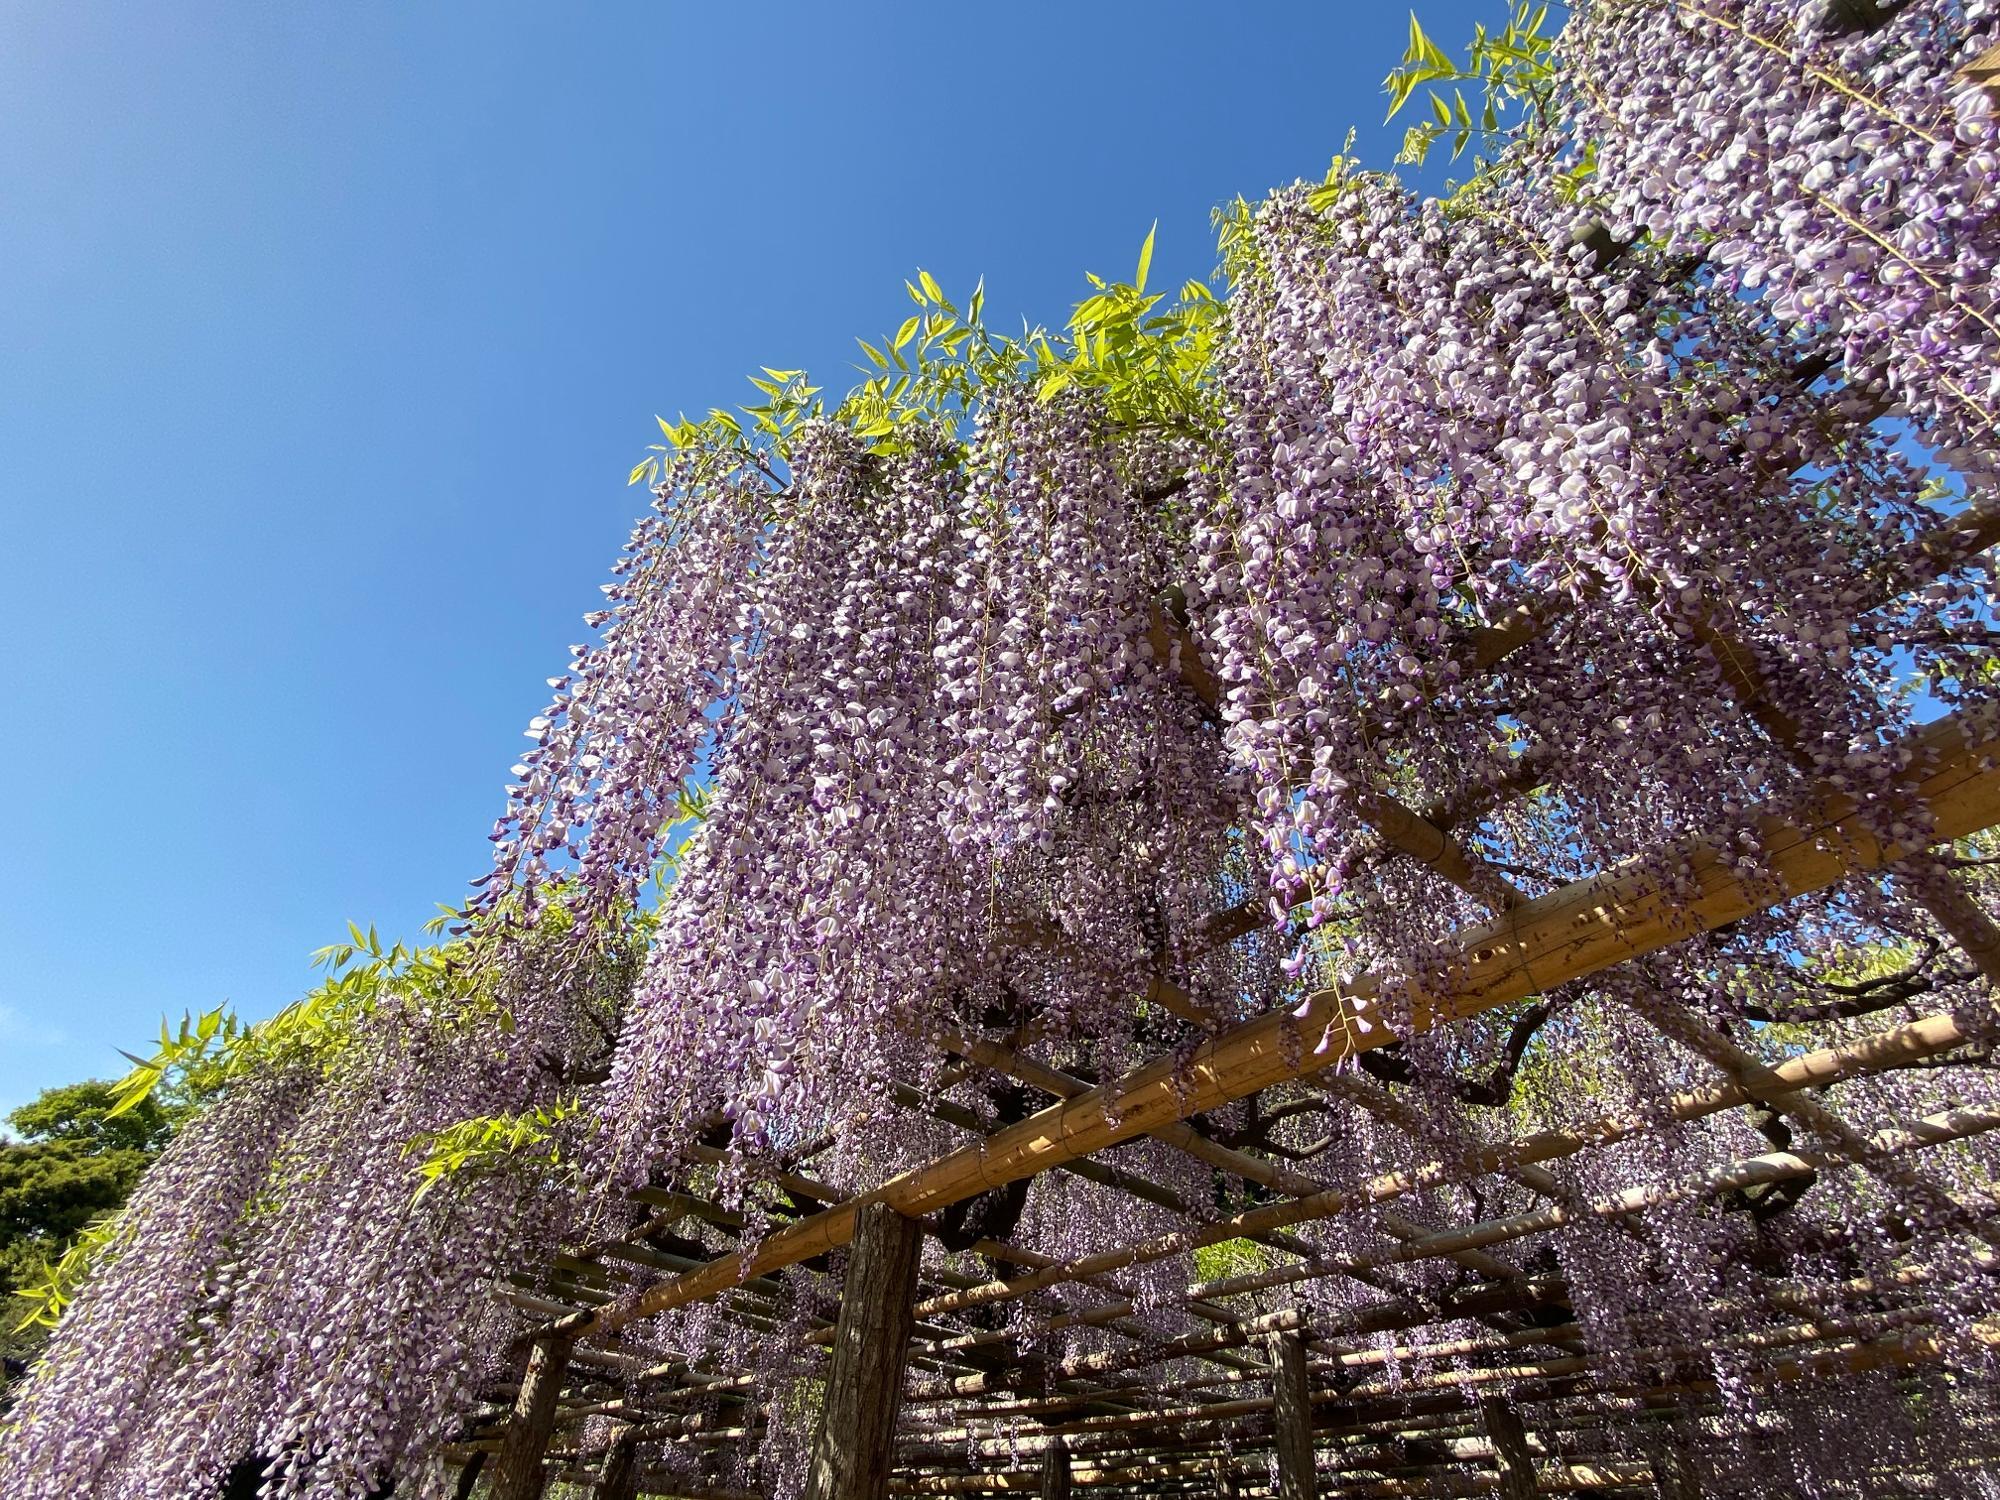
x=253, y=1275
x=1842, y=173
x=952, y=778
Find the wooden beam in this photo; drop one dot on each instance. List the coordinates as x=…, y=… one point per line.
x=1881, y=1052
x=1776, y=1166
x=855, y=1445
x=519, y=1474
x=1511, y=1456
x=1292, y=1396
x=1643, y=905
x=1919, y=1190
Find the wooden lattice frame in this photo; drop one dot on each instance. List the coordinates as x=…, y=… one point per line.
x=967, y=1429
x=1536, y=1411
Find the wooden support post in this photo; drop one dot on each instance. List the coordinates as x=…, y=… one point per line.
x=620, y=1479
x=519, y=1474
x=852, y=1450
x=1674, y=1475
x=1293, y=1409
x=469, y=1475
x=1225, y=1479
x=1510, y=1450
x=1055, y=1470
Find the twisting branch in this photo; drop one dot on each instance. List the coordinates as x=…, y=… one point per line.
x=1390, y=1065
x=1868, y=996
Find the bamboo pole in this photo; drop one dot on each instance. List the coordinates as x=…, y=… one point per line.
x=1775, y=1166
x=1745, y=1069
x=1184, y=1137
x=1883, y=1051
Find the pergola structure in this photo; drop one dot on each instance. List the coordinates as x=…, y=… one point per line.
x=1675, y=1178
x=1457, y=1364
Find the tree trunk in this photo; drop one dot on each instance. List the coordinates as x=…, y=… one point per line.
x=519, y=1474
x=1675, y=1475
x=1510, y=1450
x=620, y=1480
x=1055, y=1470
x=871, y=1347
x=1293, y=1411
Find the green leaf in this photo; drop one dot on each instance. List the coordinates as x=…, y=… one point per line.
x=1145, y=258
x=931, y=289
x=1423, y=49
x=907, y=332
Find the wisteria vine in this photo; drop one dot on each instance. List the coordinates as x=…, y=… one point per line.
x=1083, y=691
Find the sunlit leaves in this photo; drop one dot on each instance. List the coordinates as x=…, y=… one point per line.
x=55, y=1284
x=1151, y=356
x=1512, y=74
x=490, y=1143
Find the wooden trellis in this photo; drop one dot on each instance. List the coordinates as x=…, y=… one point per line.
x=930, y=1393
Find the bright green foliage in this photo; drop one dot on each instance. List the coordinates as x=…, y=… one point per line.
x=49, y=1287
x=1513, y=78
x=1230, y=1258
x=491, y=1143
x=1150, y=356
x=209, y=1051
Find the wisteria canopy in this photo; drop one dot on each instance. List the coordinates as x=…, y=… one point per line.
x=1407, y=826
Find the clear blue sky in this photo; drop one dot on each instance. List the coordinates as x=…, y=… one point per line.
x=328, y=334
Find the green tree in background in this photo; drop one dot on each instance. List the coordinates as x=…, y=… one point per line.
x=73, y=1162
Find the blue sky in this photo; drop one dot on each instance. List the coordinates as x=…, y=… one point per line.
x=328, y=334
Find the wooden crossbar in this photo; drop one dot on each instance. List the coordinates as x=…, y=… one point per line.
x=1639, y=907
